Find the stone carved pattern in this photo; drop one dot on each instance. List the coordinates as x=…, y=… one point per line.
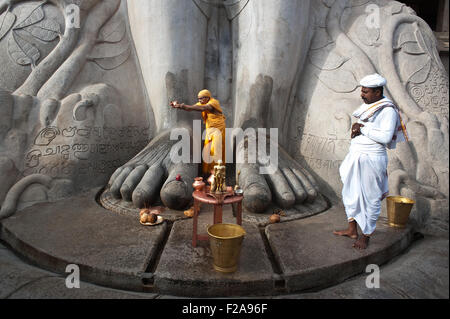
x=113, y=48
x=52, y=148
x=432, y=94
x=371, y=36
x=425, y=80
x=29, y=22
x=328, y=61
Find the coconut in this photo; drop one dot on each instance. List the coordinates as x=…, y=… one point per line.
x=152, y=218
x=144, y=211
x=144, y=218
x=275, y=218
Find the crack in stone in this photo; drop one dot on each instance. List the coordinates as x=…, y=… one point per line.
x=280, y=282
x=154, y=260
x=28, y=284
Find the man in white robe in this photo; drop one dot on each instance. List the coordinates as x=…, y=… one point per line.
x=364, y=169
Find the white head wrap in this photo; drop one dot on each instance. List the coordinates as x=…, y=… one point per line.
x=373, y=81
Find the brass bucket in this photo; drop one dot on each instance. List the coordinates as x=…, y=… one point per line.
x=226, y=241
x=398, y=210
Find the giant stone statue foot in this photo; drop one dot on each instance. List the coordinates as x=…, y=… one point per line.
x=152, y=176
x=285, y=182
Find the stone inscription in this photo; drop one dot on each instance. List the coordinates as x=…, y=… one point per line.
x=83, y=150
x=79, y=151
x=61, y=169
x=321, y=164
x=322, y=153
x=48, y=134
x=329, y=147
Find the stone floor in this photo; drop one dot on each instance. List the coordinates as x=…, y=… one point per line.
x=278, y=259
x=420, y=272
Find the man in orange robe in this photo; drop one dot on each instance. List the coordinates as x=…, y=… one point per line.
x=212, y=114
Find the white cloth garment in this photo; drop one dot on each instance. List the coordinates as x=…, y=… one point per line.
x=365, y=112
x=364, y=169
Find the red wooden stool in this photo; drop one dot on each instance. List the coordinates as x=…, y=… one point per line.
x=218, y=200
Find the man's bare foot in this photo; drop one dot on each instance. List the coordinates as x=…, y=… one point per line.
x=351, y=231
x=362, y=242
x=347, y=232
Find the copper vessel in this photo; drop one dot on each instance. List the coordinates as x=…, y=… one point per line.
x=199, y=184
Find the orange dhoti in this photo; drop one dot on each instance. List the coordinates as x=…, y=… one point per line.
x=214, y=149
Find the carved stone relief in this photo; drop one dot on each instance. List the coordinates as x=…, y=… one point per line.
x=404, y=51
x=62, y=128
x=76, y=107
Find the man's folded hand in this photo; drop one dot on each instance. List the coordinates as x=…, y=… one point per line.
x=356, y=129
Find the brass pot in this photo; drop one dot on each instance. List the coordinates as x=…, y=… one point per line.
x=226, y=242
x=398, y=210
x=199, y=184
